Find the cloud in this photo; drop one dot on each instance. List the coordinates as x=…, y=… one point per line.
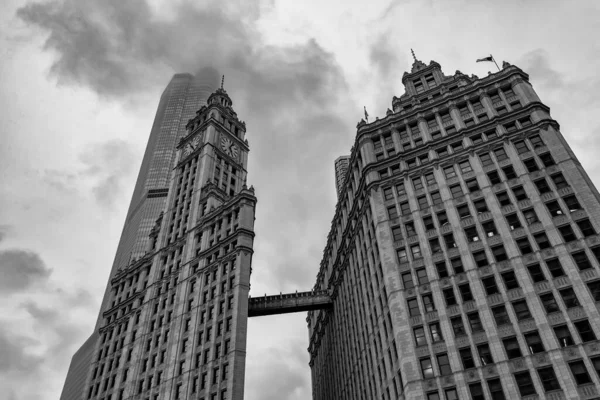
x=20, y=270
x=5, y=230
x=13, y=354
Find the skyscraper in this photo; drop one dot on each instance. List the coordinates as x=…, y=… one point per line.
x=175, y=319
x=182, y=97
x=341, y=166
x=463, y=256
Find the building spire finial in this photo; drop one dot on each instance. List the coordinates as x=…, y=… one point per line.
x=413, y=54
x=222, y=81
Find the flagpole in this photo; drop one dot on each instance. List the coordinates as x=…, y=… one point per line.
x=495, y=62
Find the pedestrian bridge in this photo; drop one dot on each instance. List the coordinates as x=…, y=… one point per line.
x=288, y=303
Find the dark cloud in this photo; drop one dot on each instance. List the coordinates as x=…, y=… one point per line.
x=21, y=269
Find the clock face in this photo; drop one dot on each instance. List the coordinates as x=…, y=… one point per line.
x=229, y=147
x=191, y=146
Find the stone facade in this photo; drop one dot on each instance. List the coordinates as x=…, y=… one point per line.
x=463, y=256
x=175, y=321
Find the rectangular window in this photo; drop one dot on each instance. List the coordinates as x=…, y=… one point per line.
x=519, y=193
x=549, y=303
x=521, y=310
x=430, y=179
x=428, y=222
x=476, y=139
x=466, y=356
x=410, y=228
x=486, y=159
x=388, y=194
x=525, y=384
x=422, y=276
x=457, y=265
x=441, y=268
x=490, y=228
x=449, y=297
x=586, y=333
x=485, y=354
x=530, y=216
x=436, y=332
x=442, y=218
x=465, y=166
x=536, y=141
x=435, y=246
x=407, y=280
x=510, y=280
x=419, y=334
x=423, y=204
x=586, y=228
x=465, y=292
x=494, y=177
x=511, y=345
x=428, y=302
x=449, y=172
x=499, y=253
x=547, y=160
x=475, y=322
x=513, y=221
x=480, y=259
x=426, y=368
x=500, y=315
x=524, y=245
x=496, y=389
x=555, y=267
x=413, y=307
x=521, y=147
x=503, y=199
x=548, y=379
x=554, y=208
x=463, y=211
x=536, y=273
x=594, y=290
x=569, y=298
x=416, y=251
x=457, y=326
x=402, y=256
x=476, y=391
x=567, y=233
x=563, y=335
x=400, y=190
x=480, y=206
x=472, y=185
x=531, y=165
x=509, y=172
x=397, y=233
x=582, y=260
x=559, y=180
x=444, y=364
x=436, y=198
x=572, y=203
x=580, y=372
x=417, y=183
x=392, y=212
x=405, y=208
x=500, y=154
x=472, y=234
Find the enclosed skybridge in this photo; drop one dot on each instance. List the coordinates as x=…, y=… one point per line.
x=288, y=303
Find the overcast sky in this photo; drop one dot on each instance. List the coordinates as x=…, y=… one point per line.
x=80, y=81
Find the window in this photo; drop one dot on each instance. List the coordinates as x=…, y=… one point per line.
x=519, y=193
x=480, y=206
x=503, y=198
x=554, y=208
x=435, y=246
x=476, y=139
x=530, y=216
x=441, y=269
x=428, y=302
x=524, y=383
x=486, y=159
x=442, y=152
x=513, y=221
x=428, y=222
x=572, y=203
x=475, y=322
x=417, y=183
x=457, y=326
x=490, y=286
x=521, y=310
x=404, y=208
x=465, y=166
x=413, y=307
x=444, y=364
x=472, y=185
x=388, y=194
x=490, y=228
x=542, y=186
x=449, y=297
x=499, y=253
x=496, y=389
x=509, y=172
x=555, y=267
x=582, y=260
x=471, y=233
x=433, y=396
x=402, y=257
x=596, y=252
x=400, y=190
x=559, y=180
x=442, y=218
x=426, y=368
x=500, y=315
x=524, y=246
x=511, y=345
x=563, y=335
x=549, y=302
x=537, y=275
x=569, y=298
x=397, y=233
x=536, y=141
x=419, y=333
x=392, y=212
x=465, y=292
x=586, y=333
x=531, y=165
x=586, y=228
x=410, y=228
x=510, y=280
x=451, y=394
x=521, y=147
x=457, y=265
x=422, y=276
x=511, y=127
x=480, y=258
x=423, y=204
x=436, y=198
x=463, y=211
x=407, y=280
x=500, y=154
x=494, y=177
x=466, y=356
x=547, y=159
x=416, y=251
x=449, y=172
x=430, y=179
x=595, y=290
x=567, y=233
x=436, y=332
x=476, y=391
x=548, y=378
x=579, y=372
x=485, y=354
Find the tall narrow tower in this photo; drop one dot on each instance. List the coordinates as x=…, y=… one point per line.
x=182, y=97
x=175, y=320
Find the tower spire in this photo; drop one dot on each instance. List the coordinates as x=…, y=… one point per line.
x=222, y=81
x=413, y=54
